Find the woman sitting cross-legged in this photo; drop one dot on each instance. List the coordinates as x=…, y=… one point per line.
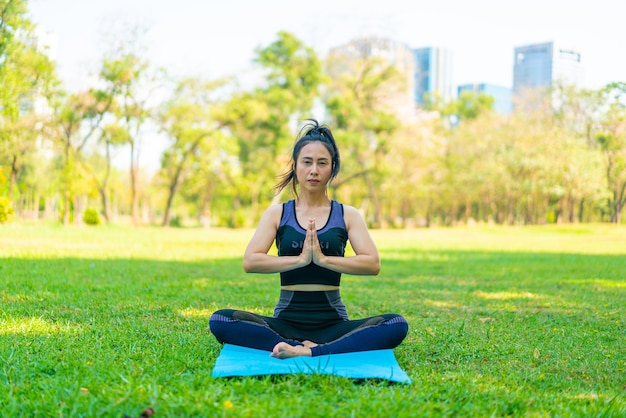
x=311, y=234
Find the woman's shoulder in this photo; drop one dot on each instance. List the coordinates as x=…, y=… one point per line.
x=271, y=216
x=351, y=214
x=349, y=209
x=274, y=209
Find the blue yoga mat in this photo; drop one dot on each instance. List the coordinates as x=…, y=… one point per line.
x=242, y=361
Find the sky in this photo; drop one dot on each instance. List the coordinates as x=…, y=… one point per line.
x=217, y=38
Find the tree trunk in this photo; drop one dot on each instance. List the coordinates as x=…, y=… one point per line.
x=371, y=187
x=36, y=198
x=103, y=188
x=133, y=186
x=106, y=203
x=167, y=217
x=13, y=176
x=205, y=213
x=620, y=202
x=581, y=209
x=67, y=193
x=66, y=207
x=616, y=209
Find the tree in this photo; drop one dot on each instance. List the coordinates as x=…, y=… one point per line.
x=361, y=99
x=469, y=105
x=188, y=121
x=612, y=140
x=28, y=80
x=111, y=135
x=576, y=112
x=131, y=82
x=261, y=120
x=79, y=118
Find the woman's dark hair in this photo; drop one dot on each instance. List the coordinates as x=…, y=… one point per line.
x=310, y=132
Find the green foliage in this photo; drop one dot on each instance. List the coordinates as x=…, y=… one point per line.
x=27, y=79
x=502, y=322
x=295, y=72
x=176, y=222
x=360, y=102
x=6, y=209
x=612, y=140
x=26, y=73
x=562, y=161
x=257, y=127
x=188, y=121
x=469, y=105
x=91, y=217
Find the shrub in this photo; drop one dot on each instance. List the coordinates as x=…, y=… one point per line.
x=6, y=210
x=91, y=217
x=176, y=222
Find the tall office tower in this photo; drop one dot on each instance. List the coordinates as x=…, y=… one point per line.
x=433, y=74
x=501, y=95
x=394, y=53
x=540, y=66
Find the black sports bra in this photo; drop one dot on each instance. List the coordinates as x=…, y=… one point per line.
x=290, y=237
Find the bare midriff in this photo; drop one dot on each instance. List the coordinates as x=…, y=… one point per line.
x=310, y=287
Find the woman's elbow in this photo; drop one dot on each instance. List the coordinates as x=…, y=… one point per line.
x=247, y=266
x=375, y=268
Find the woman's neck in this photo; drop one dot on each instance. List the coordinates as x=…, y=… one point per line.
x=312, y=200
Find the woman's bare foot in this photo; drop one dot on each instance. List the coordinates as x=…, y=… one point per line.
x=283, y=350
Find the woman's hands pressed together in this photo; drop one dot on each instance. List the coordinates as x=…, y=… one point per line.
x=311, y=250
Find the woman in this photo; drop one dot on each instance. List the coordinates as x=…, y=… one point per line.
x=311, y=233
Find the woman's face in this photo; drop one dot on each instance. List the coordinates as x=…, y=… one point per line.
x=313, y=166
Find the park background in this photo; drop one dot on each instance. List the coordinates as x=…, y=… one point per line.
x=132, y=137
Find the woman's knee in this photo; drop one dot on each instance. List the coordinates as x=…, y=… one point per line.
x=218, y=321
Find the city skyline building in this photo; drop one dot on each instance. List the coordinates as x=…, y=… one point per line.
x=502, y=95
x=428, y=71
x=541, y=66
x=433, y=74
x=392, y=52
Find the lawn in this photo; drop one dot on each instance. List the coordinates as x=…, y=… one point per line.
x=108, y=320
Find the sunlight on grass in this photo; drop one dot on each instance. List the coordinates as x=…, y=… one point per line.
x=206, y=312
x=415, y=256
x=599, y=282
x=441, y=304
x=196, y=313
x=506, y=295
x=202, y=283
x=586, y=396
x=34, y=326
x=5, y=297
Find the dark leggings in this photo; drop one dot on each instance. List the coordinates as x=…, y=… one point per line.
x=340, y=336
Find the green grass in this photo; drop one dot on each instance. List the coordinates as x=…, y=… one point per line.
x=106, y=321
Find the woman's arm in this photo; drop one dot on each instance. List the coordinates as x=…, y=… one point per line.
x=365, y=261
x=256, y=258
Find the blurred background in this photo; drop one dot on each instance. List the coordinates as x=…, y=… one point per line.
x=446, y=113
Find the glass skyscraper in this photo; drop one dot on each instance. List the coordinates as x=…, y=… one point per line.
x=433, y=74
x=539, y=66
